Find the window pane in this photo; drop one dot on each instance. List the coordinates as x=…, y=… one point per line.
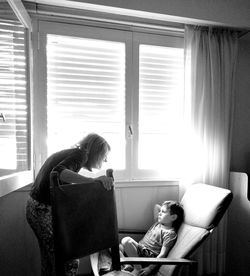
x=86, y=93
x=160, y=107
x=13, y=98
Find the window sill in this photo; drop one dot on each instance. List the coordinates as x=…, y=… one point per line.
x=145, y=183
x=15, y=181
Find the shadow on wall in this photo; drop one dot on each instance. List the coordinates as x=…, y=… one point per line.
x=247, y=170
x=238, y=239
x=19, y=249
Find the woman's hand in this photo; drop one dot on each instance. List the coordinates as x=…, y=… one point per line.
x=107, y=182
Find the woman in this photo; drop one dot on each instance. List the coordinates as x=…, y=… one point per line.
x=90, y=153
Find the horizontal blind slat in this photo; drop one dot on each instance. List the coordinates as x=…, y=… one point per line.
x=86, y=87
x=13, y=97
x=160, y=77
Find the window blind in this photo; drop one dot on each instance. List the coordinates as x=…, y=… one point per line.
x=85, y=91
x=160, y=105
x=13, y=97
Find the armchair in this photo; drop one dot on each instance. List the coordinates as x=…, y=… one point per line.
x=85, y=222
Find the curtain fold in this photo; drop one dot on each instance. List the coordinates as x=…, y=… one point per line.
x=210, y=63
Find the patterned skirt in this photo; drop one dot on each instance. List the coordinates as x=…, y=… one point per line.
x=40, y=219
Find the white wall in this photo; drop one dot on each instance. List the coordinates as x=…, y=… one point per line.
x=135, y=203
x=227, y=12
x=19, y=249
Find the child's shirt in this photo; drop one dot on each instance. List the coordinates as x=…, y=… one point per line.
x=158, y=236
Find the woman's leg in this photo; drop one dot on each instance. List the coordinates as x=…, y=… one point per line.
x=40, y=219
x=71, y=267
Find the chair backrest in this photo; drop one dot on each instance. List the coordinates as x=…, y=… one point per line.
x=204, y=206
x=84, y=221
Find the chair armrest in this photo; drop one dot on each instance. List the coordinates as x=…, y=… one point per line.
x=141, y=260
x=193, y=265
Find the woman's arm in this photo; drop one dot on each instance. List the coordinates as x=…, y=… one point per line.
x=69, y=176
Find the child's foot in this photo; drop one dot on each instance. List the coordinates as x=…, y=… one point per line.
x=128, y=268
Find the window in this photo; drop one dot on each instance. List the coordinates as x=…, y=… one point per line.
x=85, y=92
x=127, y=86
x=14, y=144
x=160, y=109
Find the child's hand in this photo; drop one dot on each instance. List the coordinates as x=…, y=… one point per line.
x=157, y=209
x=145, y=271
x=106, y=181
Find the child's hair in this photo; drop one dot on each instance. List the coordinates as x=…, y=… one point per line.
x=95, y=147
x=175, y=208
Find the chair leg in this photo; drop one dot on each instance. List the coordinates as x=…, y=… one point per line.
x=193, y=269
x=115, y=258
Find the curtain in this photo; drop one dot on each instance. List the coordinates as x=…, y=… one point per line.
x=210, y=63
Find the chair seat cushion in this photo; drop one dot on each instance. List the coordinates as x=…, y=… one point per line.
x=189, y=237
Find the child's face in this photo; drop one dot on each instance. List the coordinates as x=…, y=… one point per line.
x=164, y=216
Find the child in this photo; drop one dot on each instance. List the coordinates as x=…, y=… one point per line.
x=159, y=239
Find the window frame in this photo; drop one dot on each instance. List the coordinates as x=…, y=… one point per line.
x=156, y=40
x=12, y=180
x=40, y=99
x=131, y=173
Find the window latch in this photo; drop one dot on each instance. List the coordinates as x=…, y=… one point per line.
x=130, y=131
x=3, y=117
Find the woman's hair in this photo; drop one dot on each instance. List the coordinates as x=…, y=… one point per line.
x=94, y=148
x=175, y=208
